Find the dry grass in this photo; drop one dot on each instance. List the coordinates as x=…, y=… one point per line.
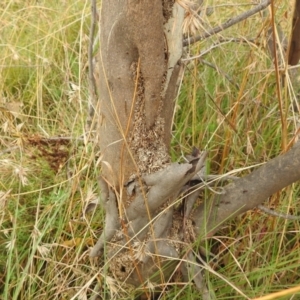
x=45, y=184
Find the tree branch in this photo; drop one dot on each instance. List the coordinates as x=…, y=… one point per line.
x=92, y=81
x=248, y=192
x=227, y=24
x=294, y=51
x=278, y=214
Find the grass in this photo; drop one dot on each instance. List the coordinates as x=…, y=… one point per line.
x=45, y=185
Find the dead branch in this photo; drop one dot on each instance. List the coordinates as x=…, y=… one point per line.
x=219, y=70
x=278, y=214
x=227, y=24
x=217, y=45
x=294, y=51
x=92, y=82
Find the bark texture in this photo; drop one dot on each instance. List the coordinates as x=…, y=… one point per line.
x=248, y=192
x=138, y=71
x=147, y=231
x=294, y=51
x=138, y=78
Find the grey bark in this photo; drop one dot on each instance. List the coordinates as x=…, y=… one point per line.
x=137, y=74
x=294, y=51
x=248, y=192
x=137, y=85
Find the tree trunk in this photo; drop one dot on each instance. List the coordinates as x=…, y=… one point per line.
x=147, y=232
x=139, y=71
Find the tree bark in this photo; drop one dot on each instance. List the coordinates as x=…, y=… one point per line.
x=146, y=231
x=138, y=74
x=294, y=51
x=248, y=192
x=138, y=71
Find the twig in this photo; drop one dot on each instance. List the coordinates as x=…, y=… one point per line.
x=221, y=71
x=278, y=89
x=62, y=138
x=278, y=214
x=240, y=40
x=92, y=82
x=206, y=51
x=227, y=24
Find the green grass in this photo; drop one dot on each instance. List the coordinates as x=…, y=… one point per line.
x=44, y=187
